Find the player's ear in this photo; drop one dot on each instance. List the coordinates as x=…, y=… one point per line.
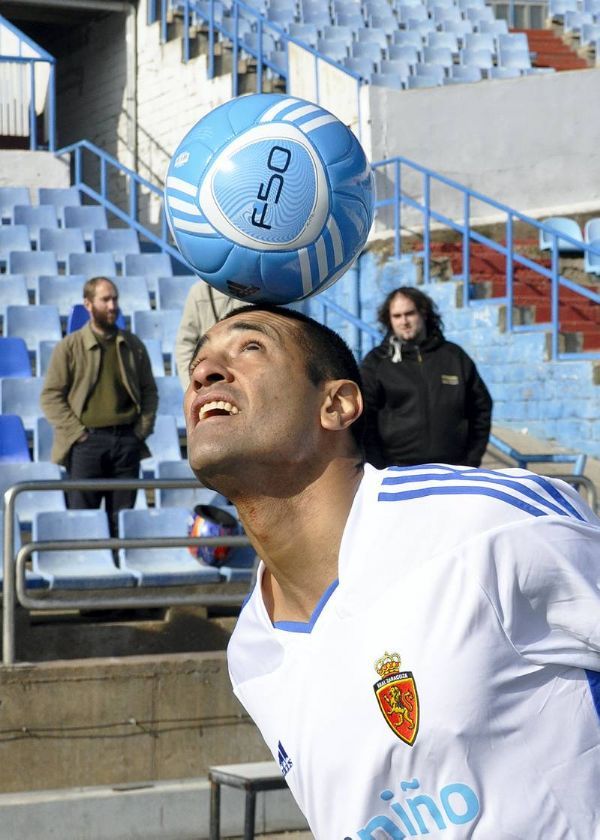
x=342, y=404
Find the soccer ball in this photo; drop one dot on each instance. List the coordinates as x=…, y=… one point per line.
x=269, y=198
x=213, y=521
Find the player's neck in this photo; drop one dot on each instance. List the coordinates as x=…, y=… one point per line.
x=298, y=538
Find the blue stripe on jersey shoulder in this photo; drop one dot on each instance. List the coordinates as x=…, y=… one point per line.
x=520, y=485
x=594, y=682
x=307, y=626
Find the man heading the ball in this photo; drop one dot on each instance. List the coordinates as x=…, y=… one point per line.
x=421, y=650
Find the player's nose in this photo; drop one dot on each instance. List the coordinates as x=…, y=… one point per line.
x=209, y=370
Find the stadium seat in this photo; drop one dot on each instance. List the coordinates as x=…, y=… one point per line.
x=305, y=32
x=397, y=66
x=336, y=50
x=590, y=34
x=431, y=71
x=32, y=323
x=373, y=36
x=60, y=290
x=228, y=25
x=21, y=395
x=150, y=266
x=481, y=59
x=88, y=218
x=411, y=12
x=339, y=32
x=60, y=197
x=445, y=40
x=495, y=27
x=170, y=398
x=14, y=358
x=367, y=50
x=13, y=440
x=92, y=265
x=465, y=73
x=558, y=8
x=363, y=66
x=513, y=41
x=32, y=264
x=13, y=238
x=480, y=41
x=133, y=294
x=76, y=568
x=251, y=41
x=514, y=59
x=423, y=27
x=460, y=28
x=62, y=242
x=33, y=581
x=29, y=502
x=35, y=218
x=591, y=230
x=118, y=242
x=43, y=354
x=13, y=292
x=423, y=81
x=591, y=261
x=78, y=316
x=477, y=14
x=405, y=38
x=9, y=198
x=561, y=224
x=156, y=357
x=438, y=55
x=171, y=292
x=183, y=497
x=504, y=73
x=388, y=80
x=161, y=566
x=163, y=443
x=43, y=435
x=351, y=18
x=162, y=324
x=387, y=24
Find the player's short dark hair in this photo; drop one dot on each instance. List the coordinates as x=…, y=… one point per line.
x=424, y=305
x=326, y=353
x=90, y=286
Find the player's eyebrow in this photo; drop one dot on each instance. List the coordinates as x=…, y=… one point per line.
x=242, y=326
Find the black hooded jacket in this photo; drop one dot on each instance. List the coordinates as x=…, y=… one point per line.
x=424, y=404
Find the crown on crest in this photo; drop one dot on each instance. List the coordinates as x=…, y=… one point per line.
x=390, y=663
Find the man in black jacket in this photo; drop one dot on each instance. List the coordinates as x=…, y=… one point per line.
x=424, y=399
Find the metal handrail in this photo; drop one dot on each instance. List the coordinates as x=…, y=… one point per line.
x=557, y=281
x=42, y=57
x=578, y=459
x=14, y=571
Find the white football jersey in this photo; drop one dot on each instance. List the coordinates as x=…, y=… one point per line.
x=448, y=683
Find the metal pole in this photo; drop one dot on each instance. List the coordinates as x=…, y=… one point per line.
x=554, y=296
x=8, y=590
x=510, y=270
x=426, y=232
x=466, y=247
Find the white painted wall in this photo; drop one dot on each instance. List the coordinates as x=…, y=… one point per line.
x=531, y=143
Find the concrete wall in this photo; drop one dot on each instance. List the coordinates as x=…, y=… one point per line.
x=33, y=170
x=531, y=143
x=119, y=721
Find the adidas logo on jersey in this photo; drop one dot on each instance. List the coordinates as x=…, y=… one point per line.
x=285, y=762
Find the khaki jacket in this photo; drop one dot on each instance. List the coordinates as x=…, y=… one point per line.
x=72, y=374
x=197, y=317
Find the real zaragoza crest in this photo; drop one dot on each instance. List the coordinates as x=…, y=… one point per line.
x=396, y=694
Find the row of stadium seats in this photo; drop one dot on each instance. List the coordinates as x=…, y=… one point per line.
x=63, y=242
x=65, y=290
x=589, y=236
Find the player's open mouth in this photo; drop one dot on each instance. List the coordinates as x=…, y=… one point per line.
x=217, y=408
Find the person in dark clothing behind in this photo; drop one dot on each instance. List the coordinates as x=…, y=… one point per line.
x=424, y=399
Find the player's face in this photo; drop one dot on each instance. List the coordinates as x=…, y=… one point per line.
x=250, y=403
x=104, y=307
x=406, y=321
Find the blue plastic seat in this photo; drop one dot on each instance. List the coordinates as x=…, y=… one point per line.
x=388, y=80
x=32, y=264
x=445, y=40
x=405, y=38
x=32, y=323
x=460, y=28
x=63, y=242
x=384, y=23
x=480, y=58
x=60, y=290
x=590, y=34
x=170, y=398
x=423, y=27
x=513, y=41
x=9, y=198
x=446, y=13
x=13, y=292
x=477, y=15
x=561, y=224
x=14, y=358
x=33, y=581
x=465, y=73
x=352, y=18
x=397, y=66
x=118, y=242
x=79, y=316
x=373, y=36
x=591, y=261
x=591, y=230
x=498, y=26
x=171, y=292
x=60, y=197
x=339, y=32
x=76, y=569
x=161, y=566
x=88, y=218
x=162, y=324
x=503, y=73
x=305, y=32
x=514, y=59
x=35, y=218
x=363, y=66
x=133, y=294
x=30, y=502
x=154, y=349
x=92, y=265
x=13, y=238
x=183, y=497
x=438, y=55
x=367, y=50
x=481, y=41
x=21, y=395
x=43, y=435
x=336, y=50
x=150, y=266
x=423, y=81
x=431, y=71
x=13, y=440
x=414, y=11
x=43, y=354
x=163, y=443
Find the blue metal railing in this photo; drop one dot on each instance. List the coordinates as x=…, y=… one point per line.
x=524, y=458
x=395, y=171
x=31, y=62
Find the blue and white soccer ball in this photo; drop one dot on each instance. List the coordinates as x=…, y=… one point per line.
x=269, y=198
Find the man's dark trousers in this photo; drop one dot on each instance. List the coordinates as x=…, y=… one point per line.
x=112, y=452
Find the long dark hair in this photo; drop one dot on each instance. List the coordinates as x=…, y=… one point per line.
x=423, y=304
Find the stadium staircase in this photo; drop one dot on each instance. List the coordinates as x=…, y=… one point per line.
x=552, y=51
